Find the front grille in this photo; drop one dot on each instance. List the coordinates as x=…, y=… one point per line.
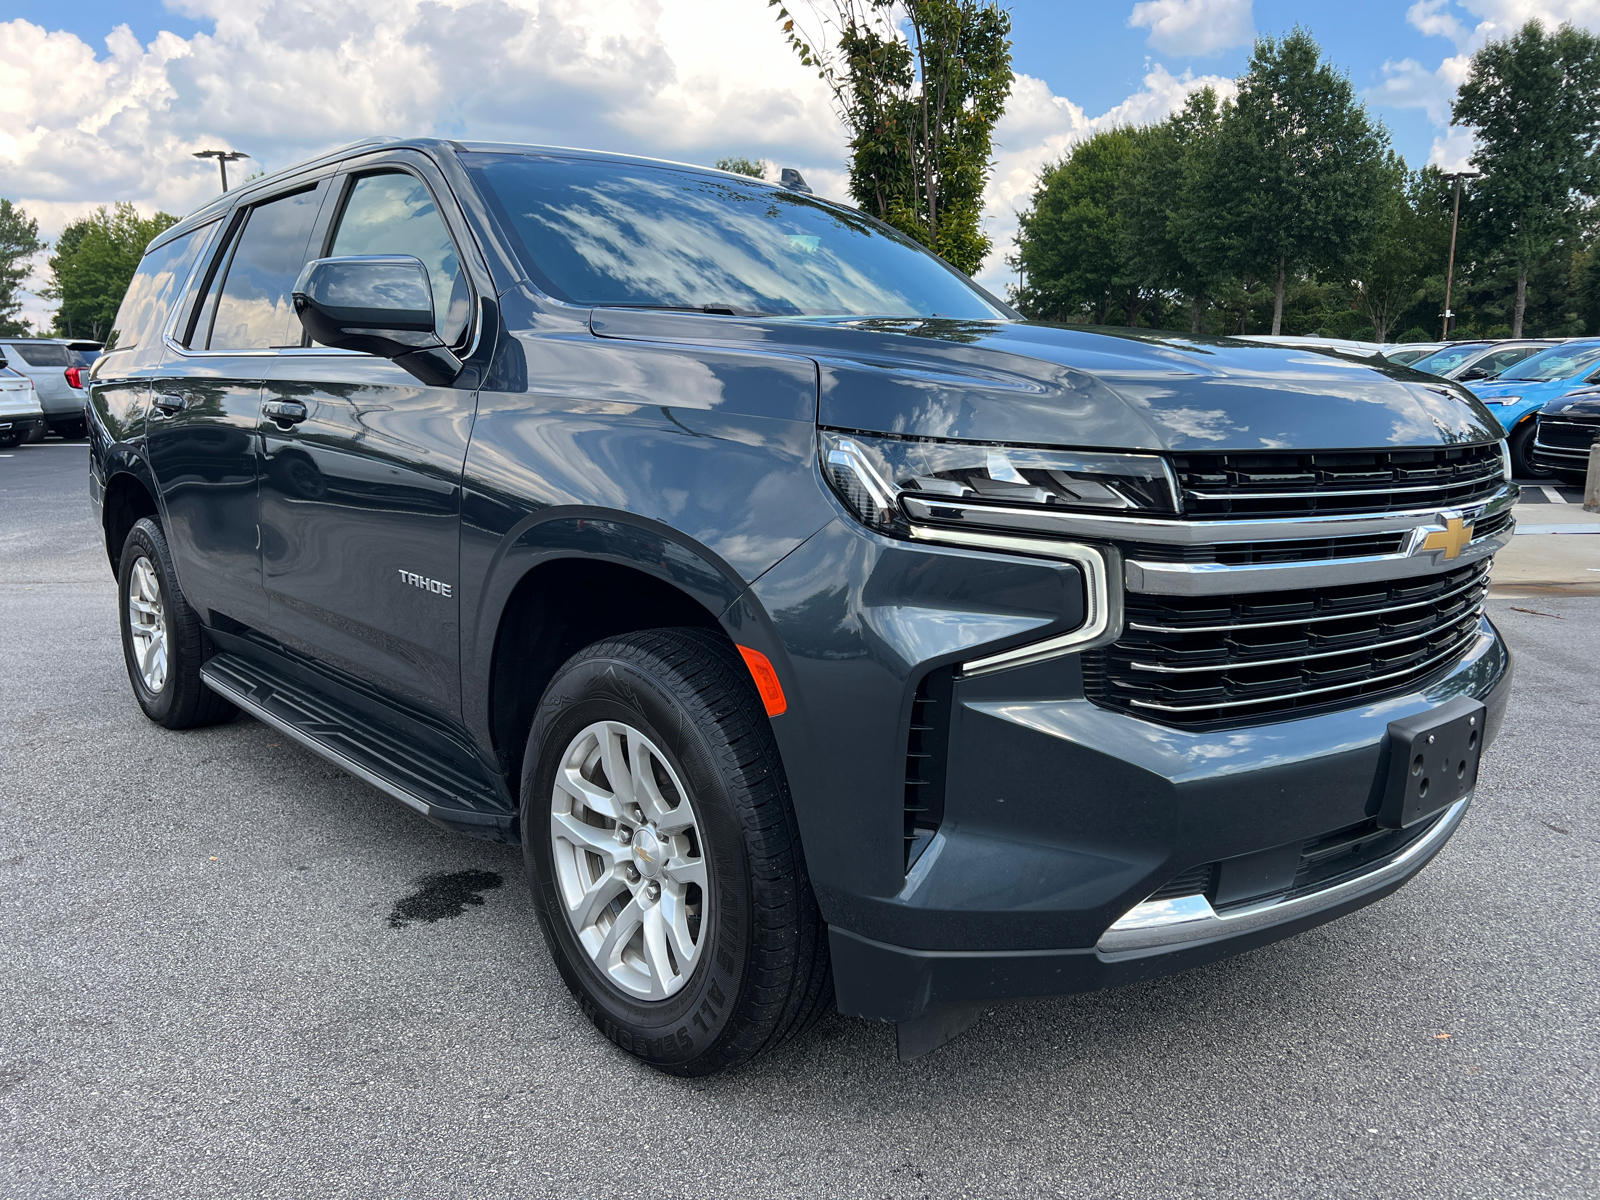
x=1567, y=435
x=1241, y=554
x=1218, y=486
x=1199, y=660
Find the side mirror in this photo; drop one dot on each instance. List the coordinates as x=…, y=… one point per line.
x=375, y=304
x=1595, y=378
x=1473, y=373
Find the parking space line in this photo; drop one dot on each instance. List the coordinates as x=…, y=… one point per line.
x=1552, y=495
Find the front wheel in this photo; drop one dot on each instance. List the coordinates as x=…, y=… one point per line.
x=663, y=854
x=1522, y=464
x=162, y=641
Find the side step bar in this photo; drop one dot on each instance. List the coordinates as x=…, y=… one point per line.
x=445, y=793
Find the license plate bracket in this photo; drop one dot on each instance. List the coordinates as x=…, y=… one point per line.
x=1433, y=761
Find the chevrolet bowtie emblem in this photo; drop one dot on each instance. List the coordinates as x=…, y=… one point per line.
x=1452, y=539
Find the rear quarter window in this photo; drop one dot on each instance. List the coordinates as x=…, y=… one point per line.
x=155, y=287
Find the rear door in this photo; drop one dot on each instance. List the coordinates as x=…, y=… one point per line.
x=203, y=431
x=361, y=474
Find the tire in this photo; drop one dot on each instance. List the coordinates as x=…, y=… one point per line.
x=1522, y=464
x=747, y=966
x=10, y=438
x=148, y=592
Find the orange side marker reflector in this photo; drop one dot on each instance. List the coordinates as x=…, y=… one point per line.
x=766, y=681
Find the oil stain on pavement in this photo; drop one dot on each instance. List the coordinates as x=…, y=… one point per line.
x=442, y=896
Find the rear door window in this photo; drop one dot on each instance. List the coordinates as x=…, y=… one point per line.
x=252, y=309
x=161, y=275
x=393, y=213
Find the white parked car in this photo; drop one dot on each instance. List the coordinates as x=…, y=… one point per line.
x=21, y=418
x=59, y=368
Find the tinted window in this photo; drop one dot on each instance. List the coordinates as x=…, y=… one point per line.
x=1501, y=359
x=1561, y=363
x=155, y=285
x=615, y=233
x=394, y=214
x=41, y=354
x=253, y=310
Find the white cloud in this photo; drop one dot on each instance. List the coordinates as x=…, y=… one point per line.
x=1195, y=27
x=284, y=79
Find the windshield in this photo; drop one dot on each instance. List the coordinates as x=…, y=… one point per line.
x=599, y=233
x=1561, y=363
x=1448, y=359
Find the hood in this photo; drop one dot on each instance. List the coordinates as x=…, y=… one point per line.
x=1026, y=382
x=1580, y=406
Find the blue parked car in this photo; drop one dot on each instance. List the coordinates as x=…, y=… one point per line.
x=1521, y=391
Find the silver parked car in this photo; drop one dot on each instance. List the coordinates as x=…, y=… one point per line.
x=1468, y=361
x=1405, y=354
x=59, y=368
x=21, y=418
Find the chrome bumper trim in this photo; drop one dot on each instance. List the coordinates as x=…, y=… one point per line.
x=1195, y=533
x=1560, y=451
x=1170, y=924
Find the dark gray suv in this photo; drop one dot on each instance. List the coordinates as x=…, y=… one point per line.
x=826, y=634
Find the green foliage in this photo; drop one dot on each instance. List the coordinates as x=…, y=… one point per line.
x=94, y=260
x=1296, y=172
x=1392, y=268
x=1074, y=237
x=740, y=165
x=1533, y=100
x=920, y=108
x=19, y=242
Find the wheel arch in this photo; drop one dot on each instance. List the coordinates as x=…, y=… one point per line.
x=566, y=582
x=128, y=497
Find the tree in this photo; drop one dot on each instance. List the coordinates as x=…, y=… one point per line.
x=920, y=107
x=19, y=242
x=740, y=165
x=1533, y=100
x=94, y=260
x=1301, y=165
x=1391, y=275
x=1072, y=242
x=1161, y=202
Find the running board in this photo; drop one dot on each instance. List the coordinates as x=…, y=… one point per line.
x=440, y=791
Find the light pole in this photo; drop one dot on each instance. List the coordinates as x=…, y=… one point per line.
x=1450, y=271
x=223, y=157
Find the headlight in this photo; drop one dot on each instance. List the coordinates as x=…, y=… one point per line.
x=1502, y=399
x=879, y=477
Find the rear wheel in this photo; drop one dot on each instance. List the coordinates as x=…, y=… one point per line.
x=162, y=641
x=10, y=438
x=1522, y=464
x=663, y=854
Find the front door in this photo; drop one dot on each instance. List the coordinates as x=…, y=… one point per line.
x=361, y=478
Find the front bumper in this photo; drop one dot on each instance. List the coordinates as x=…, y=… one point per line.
x=993, y=917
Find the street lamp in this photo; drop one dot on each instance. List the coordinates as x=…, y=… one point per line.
x=1449, y=275
x=223, y=157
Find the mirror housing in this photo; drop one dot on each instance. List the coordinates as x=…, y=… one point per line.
x=375, y=304
x=1473, y=373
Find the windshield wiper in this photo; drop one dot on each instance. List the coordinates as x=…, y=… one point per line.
x=725, y=310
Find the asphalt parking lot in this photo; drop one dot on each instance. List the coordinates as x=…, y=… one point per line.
x=219, y=977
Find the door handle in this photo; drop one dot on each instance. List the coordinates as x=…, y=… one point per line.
x=171, y=402
x=285, y=412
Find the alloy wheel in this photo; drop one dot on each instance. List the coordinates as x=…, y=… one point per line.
x=147, y=622
x=629, y=860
